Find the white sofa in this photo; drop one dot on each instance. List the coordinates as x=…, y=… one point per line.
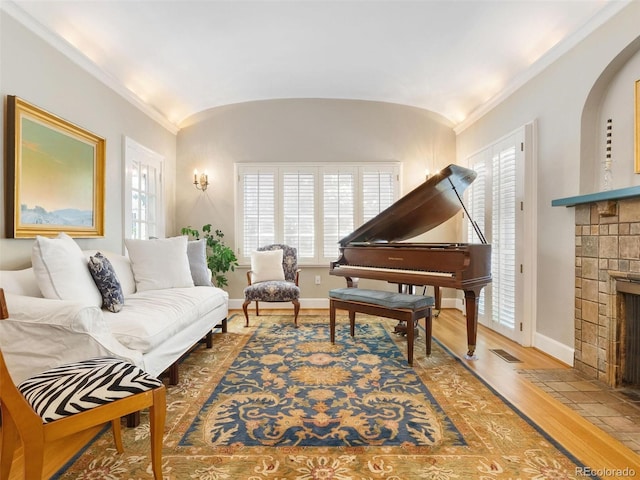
x=153, y=330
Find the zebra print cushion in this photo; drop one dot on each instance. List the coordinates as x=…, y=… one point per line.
x=76, y=387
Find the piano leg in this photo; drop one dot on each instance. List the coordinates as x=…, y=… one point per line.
x=472, y=298
x=332, y=322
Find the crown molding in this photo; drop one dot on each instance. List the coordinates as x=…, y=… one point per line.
x=611, y=9
x=84, y=62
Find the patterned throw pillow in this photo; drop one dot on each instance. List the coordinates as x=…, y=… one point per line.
x=107, y=282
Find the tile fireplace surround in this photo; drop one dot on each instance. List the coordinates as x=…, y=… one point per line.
x=607, y=263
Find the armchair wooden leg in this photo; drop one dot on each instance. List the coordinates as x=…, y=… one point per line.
x=10, y=441
x=33, y=449
x=117, y=434
x=246, y=314
x=157, y=414
x=257, y=309
x=296, y=310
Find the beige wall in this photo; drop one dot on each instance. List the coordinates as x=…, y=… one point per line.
x=556, y=99
x=41, y=75
x=568, y=101
x=303, y=131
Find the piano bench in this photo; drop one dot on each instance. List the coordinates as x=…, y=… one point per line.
x=399, y=306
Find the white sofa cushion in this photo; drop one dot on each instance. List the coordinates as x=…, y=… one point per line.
x=61, y=270
x=151, y=317
x=32, y=336
x=20, y=282
x=159, y=263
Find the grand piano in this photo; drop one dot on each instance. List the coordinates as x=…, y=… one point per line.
x=378, y=249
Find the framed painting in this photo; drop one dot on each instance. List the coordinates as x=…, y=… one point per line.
x=637, y=127
x=55, y=175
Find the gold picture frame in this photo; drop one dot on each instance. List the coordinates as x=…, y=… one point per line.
x=637, y=127
x=55, y=174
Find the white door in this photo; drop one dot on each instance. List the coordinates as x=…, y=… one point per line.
x=496, y=200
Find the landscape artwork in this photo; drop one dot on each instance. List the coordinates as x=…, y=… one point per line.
x=58, y=176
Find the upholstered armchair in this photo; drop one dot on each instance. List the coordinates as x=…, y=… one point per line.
x=273, y=278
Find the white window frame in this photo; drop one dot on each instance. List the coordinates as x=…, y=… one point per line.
x=279, y=170
x=137, y=156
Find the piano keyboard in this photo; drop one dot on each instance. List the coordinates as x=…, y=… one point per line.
x=397, y=270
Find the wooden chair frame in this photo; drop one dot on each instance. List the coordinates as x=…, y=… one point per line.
x=21, y=422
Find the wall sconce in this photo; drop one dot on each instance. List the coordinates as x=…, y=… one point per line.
x=201, y=182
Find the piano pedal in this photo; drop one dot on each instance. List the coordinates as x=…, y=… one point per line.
x=401, y=329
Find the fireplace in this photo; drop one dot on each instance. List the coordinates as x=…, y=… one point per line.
x=607, y=298
x=627, y=324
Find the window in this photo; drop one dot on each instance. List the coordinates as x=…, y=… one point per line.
x=143, y=205
x=309, y=207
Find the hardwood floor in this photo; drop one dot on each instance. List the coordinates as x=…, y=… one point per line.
x=589, y=444
x=595, y=448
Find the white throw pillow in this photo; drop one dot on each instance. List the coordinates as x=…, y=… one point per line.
x=62, y=270
x=197, y=253
x=159, y=263
x=266, y=265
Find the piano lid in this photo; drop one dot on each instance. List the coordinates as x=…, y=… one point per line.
x=420, y=210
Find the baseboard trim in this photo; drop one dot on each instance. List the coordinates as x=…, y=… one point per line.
x=236, y=303
x=554, y=348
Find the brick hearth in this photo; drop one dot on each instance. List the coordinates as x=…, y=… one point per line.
x=607, y=251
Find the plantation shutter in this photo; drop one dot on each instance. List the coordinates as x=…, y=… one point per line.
x=259, y=210
x=378, y=192
x=309, y=207
x=338, y=209
x=503, y=235
x=298, y=197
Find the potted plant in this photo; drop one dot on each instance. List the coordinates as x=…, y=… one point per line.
x=220, y=258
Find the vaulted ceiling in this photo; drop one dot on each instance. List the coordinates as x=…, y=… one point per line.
x=178, y=58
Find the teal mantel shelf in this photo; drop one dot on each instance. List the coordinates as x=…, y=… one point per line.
x=618, y=194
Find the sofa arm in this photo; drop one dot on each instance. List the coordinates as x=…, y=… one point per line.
x=40, y=334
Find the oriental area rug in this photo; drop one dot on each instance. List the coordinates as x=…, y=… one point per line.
x=275, y=402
